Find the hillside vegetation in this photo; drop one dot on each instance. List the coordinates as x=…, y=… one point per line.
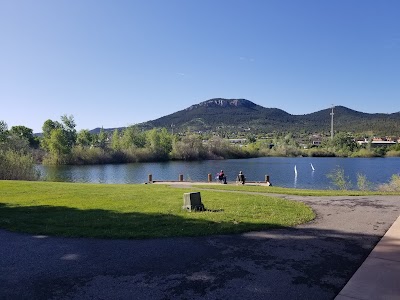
x=240, y=114
x=213, y=129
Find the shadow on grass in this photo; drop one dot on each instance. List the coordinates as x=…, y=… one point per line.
x=72, y=222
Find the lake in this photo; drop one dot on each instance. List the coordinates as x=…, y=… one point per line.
x=280, y=169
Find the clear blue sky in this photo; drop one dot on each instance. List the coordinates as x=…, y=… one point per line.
x=118, y=63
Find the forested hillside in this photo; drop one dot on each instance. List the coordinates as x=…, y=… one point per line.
x=240, y=114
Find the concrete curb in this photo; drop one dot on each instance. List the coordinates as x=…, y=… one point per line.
x=379, y=275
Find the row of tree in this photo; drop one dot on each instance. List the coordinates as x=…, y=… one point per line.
x=60, y=143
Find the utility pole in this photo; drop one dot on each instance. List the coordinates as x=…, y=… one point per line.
x=332, y=122
x=172, y=126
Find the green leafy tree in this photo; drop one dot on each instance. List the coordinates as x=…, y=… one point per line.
x=84, y=138
x=59, y=138
x=132, y=136
x=58, y=146
x=47, y=128
x=16, y=162
x=102, y=139
x=251, y=138
x=160, y=142
x=3, y=131
x=69, y=129
x=115, y=141
x=11, y=140
x=344, y=142
x=26, y=133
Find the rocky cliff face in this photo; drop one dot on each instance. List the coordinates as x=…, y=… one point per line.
x=219, y=102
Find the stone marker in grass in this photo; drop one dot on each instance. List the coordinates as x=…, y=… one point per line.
x=192, y=201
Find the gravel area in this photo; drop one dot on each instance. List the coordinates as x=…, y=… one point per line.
x=310, y=261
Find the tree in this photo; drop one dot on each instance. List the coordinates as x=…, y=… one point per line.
x=160, y=142
x=102, y=139
x=59, y=138
x=47, y=128
x=3, y=131
x=84, y=138
x=69, y=129
x=132, y=136
x=115, y=141
x=10, y=140
x=344, y=142
x=26, y=133
x=251, y=138
x=58, y=146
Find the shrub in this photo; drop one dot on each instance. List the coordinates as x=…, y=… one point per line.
x=392, y=186
x=364, y=153
x=320, y=153
x=362, y=183
x=89, y=156
x=393, y=153
x=339, y=179
x=138, y=155
x=17, y=165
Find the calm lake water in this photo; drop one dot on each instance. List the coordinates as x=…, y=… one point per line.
x=280, y=169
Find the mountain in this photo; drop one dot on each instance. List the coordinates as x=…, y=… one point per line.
x=222, y=113
x=233, y=115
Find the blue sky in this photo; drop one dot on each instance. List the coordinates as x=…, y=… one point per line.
x=118, y=63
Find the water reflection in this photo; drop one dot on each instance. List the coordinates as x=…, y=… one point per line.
x=280, y=170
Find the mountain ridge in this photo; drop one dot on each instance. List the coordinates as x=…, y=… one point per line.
x=234, y=115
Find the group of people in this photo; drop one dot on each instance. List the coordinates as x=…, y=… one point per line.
x=240, y=177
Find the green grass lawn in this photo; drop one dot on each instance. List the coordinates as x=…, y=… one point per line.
x=290, y=191
x=137, y=211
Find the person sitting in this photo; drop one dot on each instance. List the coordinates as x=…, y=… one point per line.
x=222, y=177
x=241, y=177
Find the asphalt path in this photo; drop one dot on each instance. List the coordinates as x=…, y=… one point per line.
x=310, y=261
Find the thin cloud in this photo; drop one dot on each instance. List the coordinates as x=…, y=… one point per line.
x=249, y=59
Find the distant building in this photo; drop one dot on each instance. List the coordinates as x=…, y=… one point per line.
x=316, y=143
x=237, y=141
x=377, y=142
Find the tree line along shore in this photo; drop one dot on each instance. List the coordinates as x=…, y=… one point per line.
x=61, y=144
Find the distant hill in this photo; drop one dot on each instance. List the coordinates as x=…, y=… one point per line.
x=232, y=115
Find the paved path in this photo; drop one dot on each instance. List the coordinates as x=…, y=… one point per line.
x=311, y=261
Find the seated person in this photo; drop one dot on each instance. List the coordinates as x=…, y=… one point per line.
x=222, y=177
x=241, y=177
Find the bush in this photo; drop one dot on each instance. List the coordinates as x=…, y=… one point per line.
x=393, y=153
x=320, y=153
x=392, y=186
x=17, y=165
x=89, y=156
x=362, y=183
x=339, y=179
x=364, y=153
x=133, y=154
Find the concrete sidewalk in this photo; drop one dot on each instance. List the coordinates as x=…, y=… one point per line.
x=379, y=275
